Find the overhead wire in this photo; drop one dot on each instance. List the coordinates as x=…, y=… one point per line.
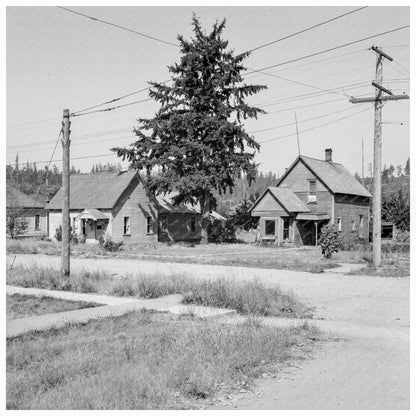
x=315, y=127
x=306, y=29
x=118, y=26
x=329, y=49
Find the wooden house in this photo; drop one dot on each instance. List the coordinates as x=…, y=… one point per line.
x=118, y=205
x=310, y=194
x=33, y=209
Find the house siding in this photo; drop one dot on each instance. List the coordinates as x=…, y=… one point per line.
x=30, y=217
x=179, y=227
x=136, y=204
x=298, y=180
x=349, y=208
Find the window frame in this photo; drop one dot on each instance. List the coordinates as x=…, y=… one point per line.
x=149, y=225
x=353, y=226
x=286, y=229
x=37, y=222
x=192, y=224
x=126, y=225
x=339, y=223
x=360, y=226
x=312, y=197
x=266, y=234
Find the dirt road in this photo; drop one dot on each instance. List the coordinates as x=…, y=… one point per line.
x=366, y=368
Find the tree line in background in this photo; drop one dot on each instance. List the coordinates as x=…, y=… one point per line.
x=31, y=180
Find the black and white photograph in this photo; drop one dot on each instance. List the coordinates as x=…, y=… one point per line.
x=207, y=206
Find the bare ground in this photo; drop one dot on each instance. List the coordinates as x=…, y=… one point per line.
x=365, y=366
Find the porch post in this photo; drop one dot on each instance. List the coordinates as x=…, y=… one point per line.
x=316, y=233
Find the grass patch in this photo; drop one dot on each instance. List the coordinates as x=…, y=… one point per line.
x=144, y=361
x=22, y=306
x=32, y=246
x=392, y=265
x=247, y=297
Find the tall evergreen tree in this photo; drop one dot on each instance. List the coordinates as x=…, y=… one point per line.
x=197, y=137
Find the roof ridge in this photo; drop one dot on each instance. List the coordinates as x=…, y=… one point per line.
x=321, y=160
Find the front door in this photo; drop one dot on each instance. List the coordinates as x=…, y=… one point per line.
x=101, y=226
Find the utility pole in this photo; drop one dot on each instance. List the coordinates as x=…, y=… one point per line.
x=65, y=252
x=378, y=101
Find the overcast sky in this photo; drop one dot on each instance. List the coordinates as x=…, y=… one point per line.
x=57, y=59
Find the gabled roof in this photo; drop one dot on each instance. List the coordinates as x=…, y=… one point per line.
x=286, y=197
x=334, y=175
x=14, y=197
x=165, y=203
x=94, y=190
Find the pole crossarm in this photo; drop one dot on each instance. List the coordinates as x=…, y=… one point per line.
x=380, y=52
x=382, y=98
x=381, y=88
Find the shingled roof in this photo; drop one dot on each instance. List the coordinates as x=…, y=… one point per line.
x=14, y=197
x=285, y=197
x=334, y=175
x=94, y=190
x=288, y=199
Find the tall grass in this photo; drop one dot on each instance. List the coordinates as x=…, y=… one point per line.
x=247, y=297
x=143, y=361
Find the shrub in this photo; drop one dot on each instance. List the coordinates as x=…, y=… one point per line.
x=330, y=241
x=108, y=244
x=58, y=233
x=222, y=231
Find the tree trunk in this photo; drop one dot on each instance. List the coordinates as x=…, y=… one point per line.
x=205, y=210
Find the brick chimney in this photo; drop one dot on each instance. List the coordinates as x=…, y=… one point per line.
x=328, y=155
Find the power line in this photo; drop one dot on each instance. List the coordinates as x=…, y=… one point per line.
x=299, y=83
x=80, y=144
x=102, y=133
x=72, y=158
x=118, y=26
x=329, y=49
x=302, y=121
x=110, y=108
x=307, y=29
x=290, y=68
x=315, y=127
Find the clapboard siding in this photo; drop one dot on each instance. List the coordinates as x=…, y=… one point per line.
x=134, y=203
x=298, y=179
x=179, y=228
x=349, y=208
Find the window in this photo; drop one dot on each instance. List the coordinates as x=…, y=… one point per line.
x=286, y=228
x=192, y=224
x=164, y=224
x=361, y=227
x=312, y=192
x=126, y=226
x=269, y=227
x=353, y=226
x=149, y=225
x=37, y=222
x=339, y=223
x=73, y=224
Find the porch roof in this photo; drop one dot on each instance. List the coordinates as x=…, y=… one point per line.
x=312, y=216
x=92, y=214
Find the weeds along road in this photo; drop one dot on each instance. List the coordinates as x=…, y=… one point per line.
x=366, y=368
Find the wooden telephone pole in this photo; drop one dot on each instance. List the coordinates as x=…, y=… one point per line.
x=378, y=101
x=65, y=252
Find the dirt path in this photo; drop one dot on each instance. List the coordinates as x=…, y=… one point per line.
x=367, y=368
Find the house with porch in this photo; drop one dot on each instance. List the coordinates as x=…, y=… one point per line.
x=32, y=209
x=116, y=204
x=310, y=194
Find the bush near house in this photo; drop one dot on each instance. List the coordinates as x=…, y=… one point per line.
x=222, y=231
x=16, y=221
x=330, y=241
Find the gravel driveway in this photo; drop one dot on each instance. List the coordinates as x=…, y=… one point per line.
x=368, y=366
